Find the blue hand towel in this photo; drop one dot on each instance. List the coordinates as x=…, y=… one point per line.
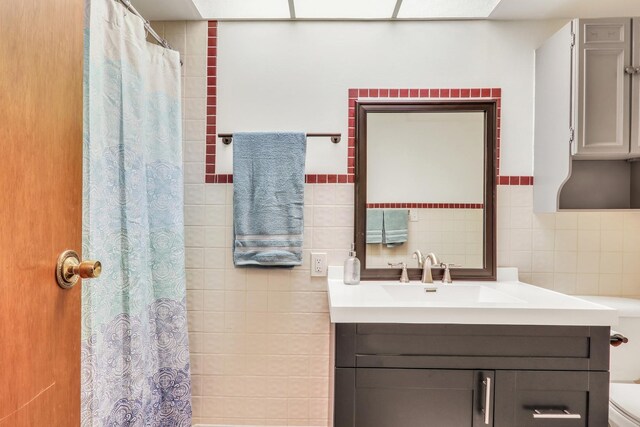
x=396, y=228
x=268, y=198
x=374, y=225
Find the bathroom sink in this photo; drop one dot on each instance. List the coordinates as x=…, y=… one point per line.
x=503, y=302
x=448, y=293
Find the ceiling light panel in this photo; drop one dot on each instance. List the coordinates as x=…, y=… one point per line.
x=243, y=9
x=344, y=9
x=442, y=9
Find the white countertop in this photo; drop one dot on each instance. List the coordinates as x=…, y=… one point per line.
x=504, y=302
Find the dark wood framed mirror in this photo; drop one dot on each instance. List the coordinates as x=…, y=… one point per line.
x=426, y=180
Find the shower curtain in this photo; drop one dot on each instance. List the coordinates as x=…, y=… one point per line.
x=135, y=354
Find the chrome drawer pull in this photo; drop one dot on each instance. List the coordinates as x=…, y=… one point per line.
x=487, y=400
x=555, y=413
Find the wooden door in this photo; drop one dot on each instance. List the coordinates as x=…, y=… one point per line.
x=40, y=210
x=603, y=88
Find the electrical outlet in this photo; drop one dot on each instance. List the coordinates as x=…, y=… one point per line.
x=318, y=264
x=413, y=215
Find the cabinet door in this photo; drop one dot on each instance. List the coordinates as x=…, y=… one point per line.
x=635, y=91
x=603, y=88
x=540, y=399
x=413, y=398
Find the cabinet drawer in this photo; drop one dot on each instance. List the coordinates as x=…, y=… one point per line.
x=578, y=348
x=520, y=394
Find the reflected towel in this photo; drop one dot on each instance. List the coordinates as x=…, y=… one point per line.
x=374, y=225
x=268, y=198
x=396, y=228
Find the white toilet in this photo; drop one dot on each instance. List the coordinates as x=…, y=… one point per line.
x=624, y=397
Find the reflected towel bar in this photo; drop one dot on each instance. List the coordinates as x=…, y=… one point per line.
x=227, y=138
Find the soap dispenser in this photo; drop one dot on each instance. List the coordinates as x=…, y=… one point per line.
x=352, y=268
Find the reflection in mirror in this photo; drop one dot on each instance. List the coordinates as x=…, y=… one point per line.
x=414, y=159
x=426, y=181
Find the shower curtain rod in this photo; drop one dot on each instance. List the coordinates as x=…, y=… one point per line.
x=147, y=26
x=227, y=138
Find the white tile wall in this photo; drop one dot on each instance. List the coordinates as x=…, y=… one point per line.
x=573, y=252
x=455, y=235
x=260, y=338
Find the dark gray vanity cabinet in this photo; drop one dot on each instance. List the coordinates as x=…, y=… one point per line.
x=410, y=375
x=412, y=397
x=520, y=393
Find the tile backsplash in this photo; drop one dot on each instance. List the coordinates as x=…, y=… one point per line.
x=593, y=253
x=260, y=338
x=454, y=235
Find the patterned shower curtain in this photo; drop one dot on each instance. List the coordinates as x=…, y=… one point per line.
x=135, y=354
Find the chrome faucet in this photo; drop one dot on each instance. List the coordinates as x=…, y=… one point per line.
x=418, y=255
x=404, y=276
x=425, y=262
x=446, y=275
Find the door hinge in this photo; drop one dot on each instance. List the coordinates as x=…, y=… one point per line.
x=572, y=135
x=573, y=39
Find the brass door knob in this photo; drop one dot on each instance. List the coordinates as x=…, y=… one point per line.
x=69, y=269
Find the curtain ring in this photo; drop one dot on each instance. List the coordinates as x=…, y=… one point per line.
x=127, y=4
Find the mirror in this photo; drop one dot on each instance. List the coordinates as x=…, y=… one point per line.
x=425, y=180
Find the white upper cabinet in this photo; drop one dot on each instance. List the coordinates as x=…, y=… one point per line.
x=553, y=99
x=603, y=79
x=635, y=90
x=587, y=117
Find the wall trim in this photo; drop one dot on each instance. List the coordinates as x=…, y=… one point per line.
x=428, y=205
x=514, y=180
x=211, y=177
x=235, y=425
x=212, y=101
x=355, y=94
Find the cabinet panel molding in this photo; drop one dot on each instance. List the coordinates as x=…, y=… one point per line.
x=635, y=91
x=603, y=95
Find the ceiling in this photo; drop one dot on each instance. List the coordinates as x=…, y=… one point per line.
x=383, y=9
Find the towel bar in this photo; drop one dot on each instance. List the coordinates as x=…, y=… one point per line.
x=227, y=138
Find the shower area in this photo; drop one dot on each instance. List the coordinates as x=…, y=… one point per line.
x=111, y=148
x=193, y=340
x=135, y=347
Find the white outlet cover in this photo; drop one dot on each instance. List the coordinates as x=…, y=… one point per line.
x=413, y=215
x=318, y=264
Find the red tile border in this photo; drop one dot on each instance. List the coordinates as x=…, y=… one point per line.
x=425, y=205
x=514, y=180
x=353, y=94
x=472, y=93
x=210, y=176
x=218, y=178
